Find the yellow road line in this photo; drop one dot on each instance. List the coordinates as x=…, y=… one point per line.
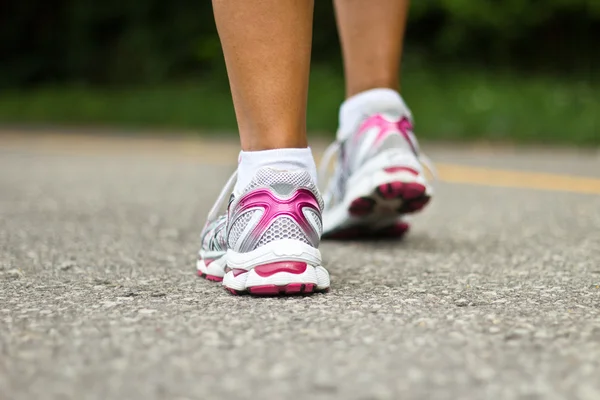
x=214, y=152
x=452, y=173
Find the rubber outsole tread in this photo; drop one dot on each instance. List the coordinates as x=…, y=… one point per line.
x=412, y=195
x=291, y=289
x=212, y=278
x=388, y=201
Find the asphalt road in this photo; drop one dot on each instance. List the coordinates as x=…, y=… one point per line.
x=495, y=294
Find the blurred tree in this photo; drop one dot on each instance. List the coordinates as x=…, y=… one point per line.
x=150, y=41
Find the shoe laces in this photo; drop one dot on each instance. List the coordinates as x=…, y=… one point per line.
x=330, y=151
x=221, y=199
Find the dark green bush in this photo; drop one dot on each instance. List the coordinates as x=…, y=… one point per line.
x=149, y=41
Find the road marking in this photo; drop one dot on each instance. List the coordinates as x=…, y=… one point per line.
x=462, y=174
x=224, y=153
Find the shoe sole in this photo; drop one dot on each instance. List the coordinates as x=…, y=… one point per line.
x=268, y=290
x=374, y=212
x=292, y=289
x=411, y=196
x=204, y=268
x=283, y=278
x=274, y=278
x=208, y=277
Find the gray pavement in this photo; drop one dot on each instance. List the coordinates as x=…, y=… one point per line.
x=495, y=294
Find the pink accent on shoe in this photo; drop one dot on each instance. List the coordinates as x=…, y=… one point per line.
x=361, y=206
x=292, y=267
x=274, y=207
x=391, y=170
x=294, y=288
x=208, y=261
x=412, y=194
x=309, y=288
x=386, y=128
x=417, y=205
x=265, y=290
x=403, y=190
x=238, y=271
x=397, y=230
x=210, y=277
x=405, y=126
x=274, y=290
x=412, y=190
x=391, y=190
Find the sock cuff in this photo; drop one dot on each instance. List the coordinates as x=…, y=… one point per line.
x=274, y=154
x=282, y=159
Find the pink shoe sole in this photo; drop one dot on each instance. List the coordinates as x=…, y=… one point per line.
x=212, y=278
x=268, y=270
x=384, y=200
x=274, y=290
x=268, y=290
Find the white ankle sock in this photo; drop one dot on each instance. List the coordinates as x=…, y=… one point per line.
x=282, y=159
x=362, y=105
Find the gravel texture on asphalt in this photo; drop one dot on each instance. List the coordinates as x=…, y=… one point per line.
x=494, y=294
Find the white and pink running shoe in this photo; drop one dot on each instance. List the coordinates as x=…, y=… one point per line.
x=378, y=178
x=267, y=244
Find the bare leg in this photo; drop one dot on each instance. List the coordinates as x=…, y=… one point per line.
x=372, y=34
x=267, y=47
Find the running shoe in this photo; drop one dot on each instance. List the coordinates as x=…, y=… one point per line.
x=267, y=242
x=379, y=177
x=211, y=257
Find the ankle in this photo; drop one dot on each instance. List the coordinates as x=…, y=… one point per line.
x=274, y=136
x=385, y=82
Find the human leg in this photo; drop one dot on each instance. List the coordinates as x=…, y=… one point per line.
x=267, y=243
x=379, y=176
x=372, y=36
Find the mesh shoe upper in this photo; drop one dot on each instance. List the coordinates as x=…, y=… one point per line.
x=376, y=134
x=275, y=205
x=214, y=235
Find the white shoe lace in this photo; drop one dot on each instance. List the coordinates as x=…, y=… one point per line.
x=225, y=192
x=324, y=165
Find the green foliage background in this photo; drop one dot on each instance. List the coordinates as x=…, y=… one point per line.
x=489, y=68
x=150, y=41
